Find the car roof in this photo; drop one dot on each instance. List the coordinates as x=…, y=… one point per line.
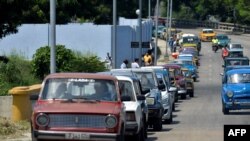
x=236, y=58
x=205, y=29
x=81, y=75
x=235, y=71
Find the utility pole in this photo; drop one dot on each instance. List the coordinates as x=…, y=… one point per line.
x=156, y=33
x=113, y=48
x=52, y=36
x=149, y=9
x=167, y=28
x=170, y=17
x=140, y=32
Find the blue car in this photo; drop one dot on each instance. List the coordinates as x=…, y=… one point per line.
x=223, y=40
x=190, y=65
x=235, y=92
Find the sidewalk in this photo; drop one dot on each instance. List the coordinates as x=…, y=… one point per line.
x=164, y=57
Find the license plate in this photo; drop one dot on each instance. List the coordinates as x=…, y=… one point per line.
x=77, y=136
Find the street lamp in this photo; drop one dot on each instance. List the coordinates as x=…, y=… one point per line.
x=138, y=12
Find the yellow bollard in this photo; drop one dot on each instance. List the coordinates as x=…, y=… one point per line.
x=21, y=106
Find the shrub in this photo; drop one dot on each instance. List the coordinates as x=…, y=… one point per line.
x=17, y=72
x=41, y=60
x=87, y=63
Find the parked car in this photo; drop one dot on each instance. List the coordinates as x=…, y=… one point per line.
x=235, y=52
x=159, y=31
x=235, y=90
x=190, y=81
x=136, y=114
x=223, y=40
x=79, y=106
x=191, y=40
x=153, y=97
x=235, y=61
x=207, y=34
x=235, y=46
x=180, y=79
x=173, y=83
x=168, y=94
x=190, y=65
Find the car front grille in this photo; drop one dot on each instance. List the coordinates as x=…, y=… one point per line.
x=74, y=120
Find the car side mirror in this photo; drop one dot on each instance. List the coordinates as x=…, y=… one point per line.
x=161, y=87
x=34, y=97
x=141, y=97
x=126, y=98
x=172, y=89
x=145, y=91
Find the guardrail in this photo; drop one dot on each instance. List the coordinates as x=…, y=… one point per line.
x=229, y=27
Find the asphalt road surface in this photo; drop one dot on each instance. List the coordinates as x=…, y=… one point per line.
x=201, y=118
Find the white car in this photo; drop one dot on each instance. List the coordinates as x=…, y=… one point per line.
x=168, y=96
x=136, y=115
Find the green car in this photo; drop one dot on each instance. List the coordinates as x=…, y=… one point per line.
x=223, y=40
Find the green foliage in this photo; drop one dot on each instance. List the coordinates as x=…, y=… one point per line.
x=17, y=72
x=41, y=60
x=66, y=61
x=87, y=63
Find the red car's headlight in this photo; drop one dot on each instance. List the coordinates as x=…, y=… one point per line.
x=42, y=120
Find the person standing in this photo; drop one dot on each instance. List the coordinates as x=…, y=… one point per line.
x=135, y=64
x=147, y=59
x=124, y=65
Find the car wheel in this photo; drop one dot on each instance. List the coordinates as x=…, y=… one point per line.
x=195, y=79
x=191, y=94
x=158, y=124
x=170, y=120
x=183, y=96
x=173, y=107
x=122, y=135
x=145, y=127
x=225, y=110
x=176, y=97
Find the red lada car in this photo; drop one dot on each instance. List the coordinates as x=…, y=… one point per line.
x=79, y=106
x=180, y=78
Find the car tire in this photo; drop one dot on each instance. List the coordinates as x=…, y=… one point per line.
x=157, y=125
x=191, y=94
x=183, y=96
x=145, y=127
x=225, y=110
x=173, y=107
x=170, y=120
x=122, y=135
x=195, y=79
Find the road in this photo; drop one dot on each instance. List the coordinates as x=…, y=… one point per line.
x=201, y=118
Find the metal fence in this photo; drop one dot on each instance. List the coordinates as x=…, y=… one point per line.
x=230, y=27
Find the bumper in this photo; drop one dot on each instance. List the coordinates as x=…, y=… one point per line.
x=131, y=128
x=166, y=114
x=63, y=135
x=238, y=105
x=182, y=92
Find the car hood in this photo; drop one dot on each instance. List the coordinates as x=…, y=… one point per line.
x=239, y=89
x=76, y=107
x=153, y=93
x=131, y=105
x=223, y=41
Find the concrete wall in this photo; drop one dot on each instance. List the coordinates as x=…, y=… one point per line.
x=86, y=38
x=5, y=106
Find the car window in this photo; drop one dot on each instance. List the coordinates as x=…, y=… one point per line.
x=147, y=79
x=75, y=88
x=239, y=78
x=126, y=89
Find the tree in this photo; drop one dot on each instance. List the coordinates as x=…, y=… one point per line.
x=11, y=15
x=41, y=60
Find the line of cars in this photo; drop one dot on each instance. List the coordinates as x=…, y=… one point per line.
x=104, y=106
x=235, y=92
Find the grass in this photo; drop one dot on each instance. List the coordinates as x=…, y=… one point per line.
x=10, y=129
